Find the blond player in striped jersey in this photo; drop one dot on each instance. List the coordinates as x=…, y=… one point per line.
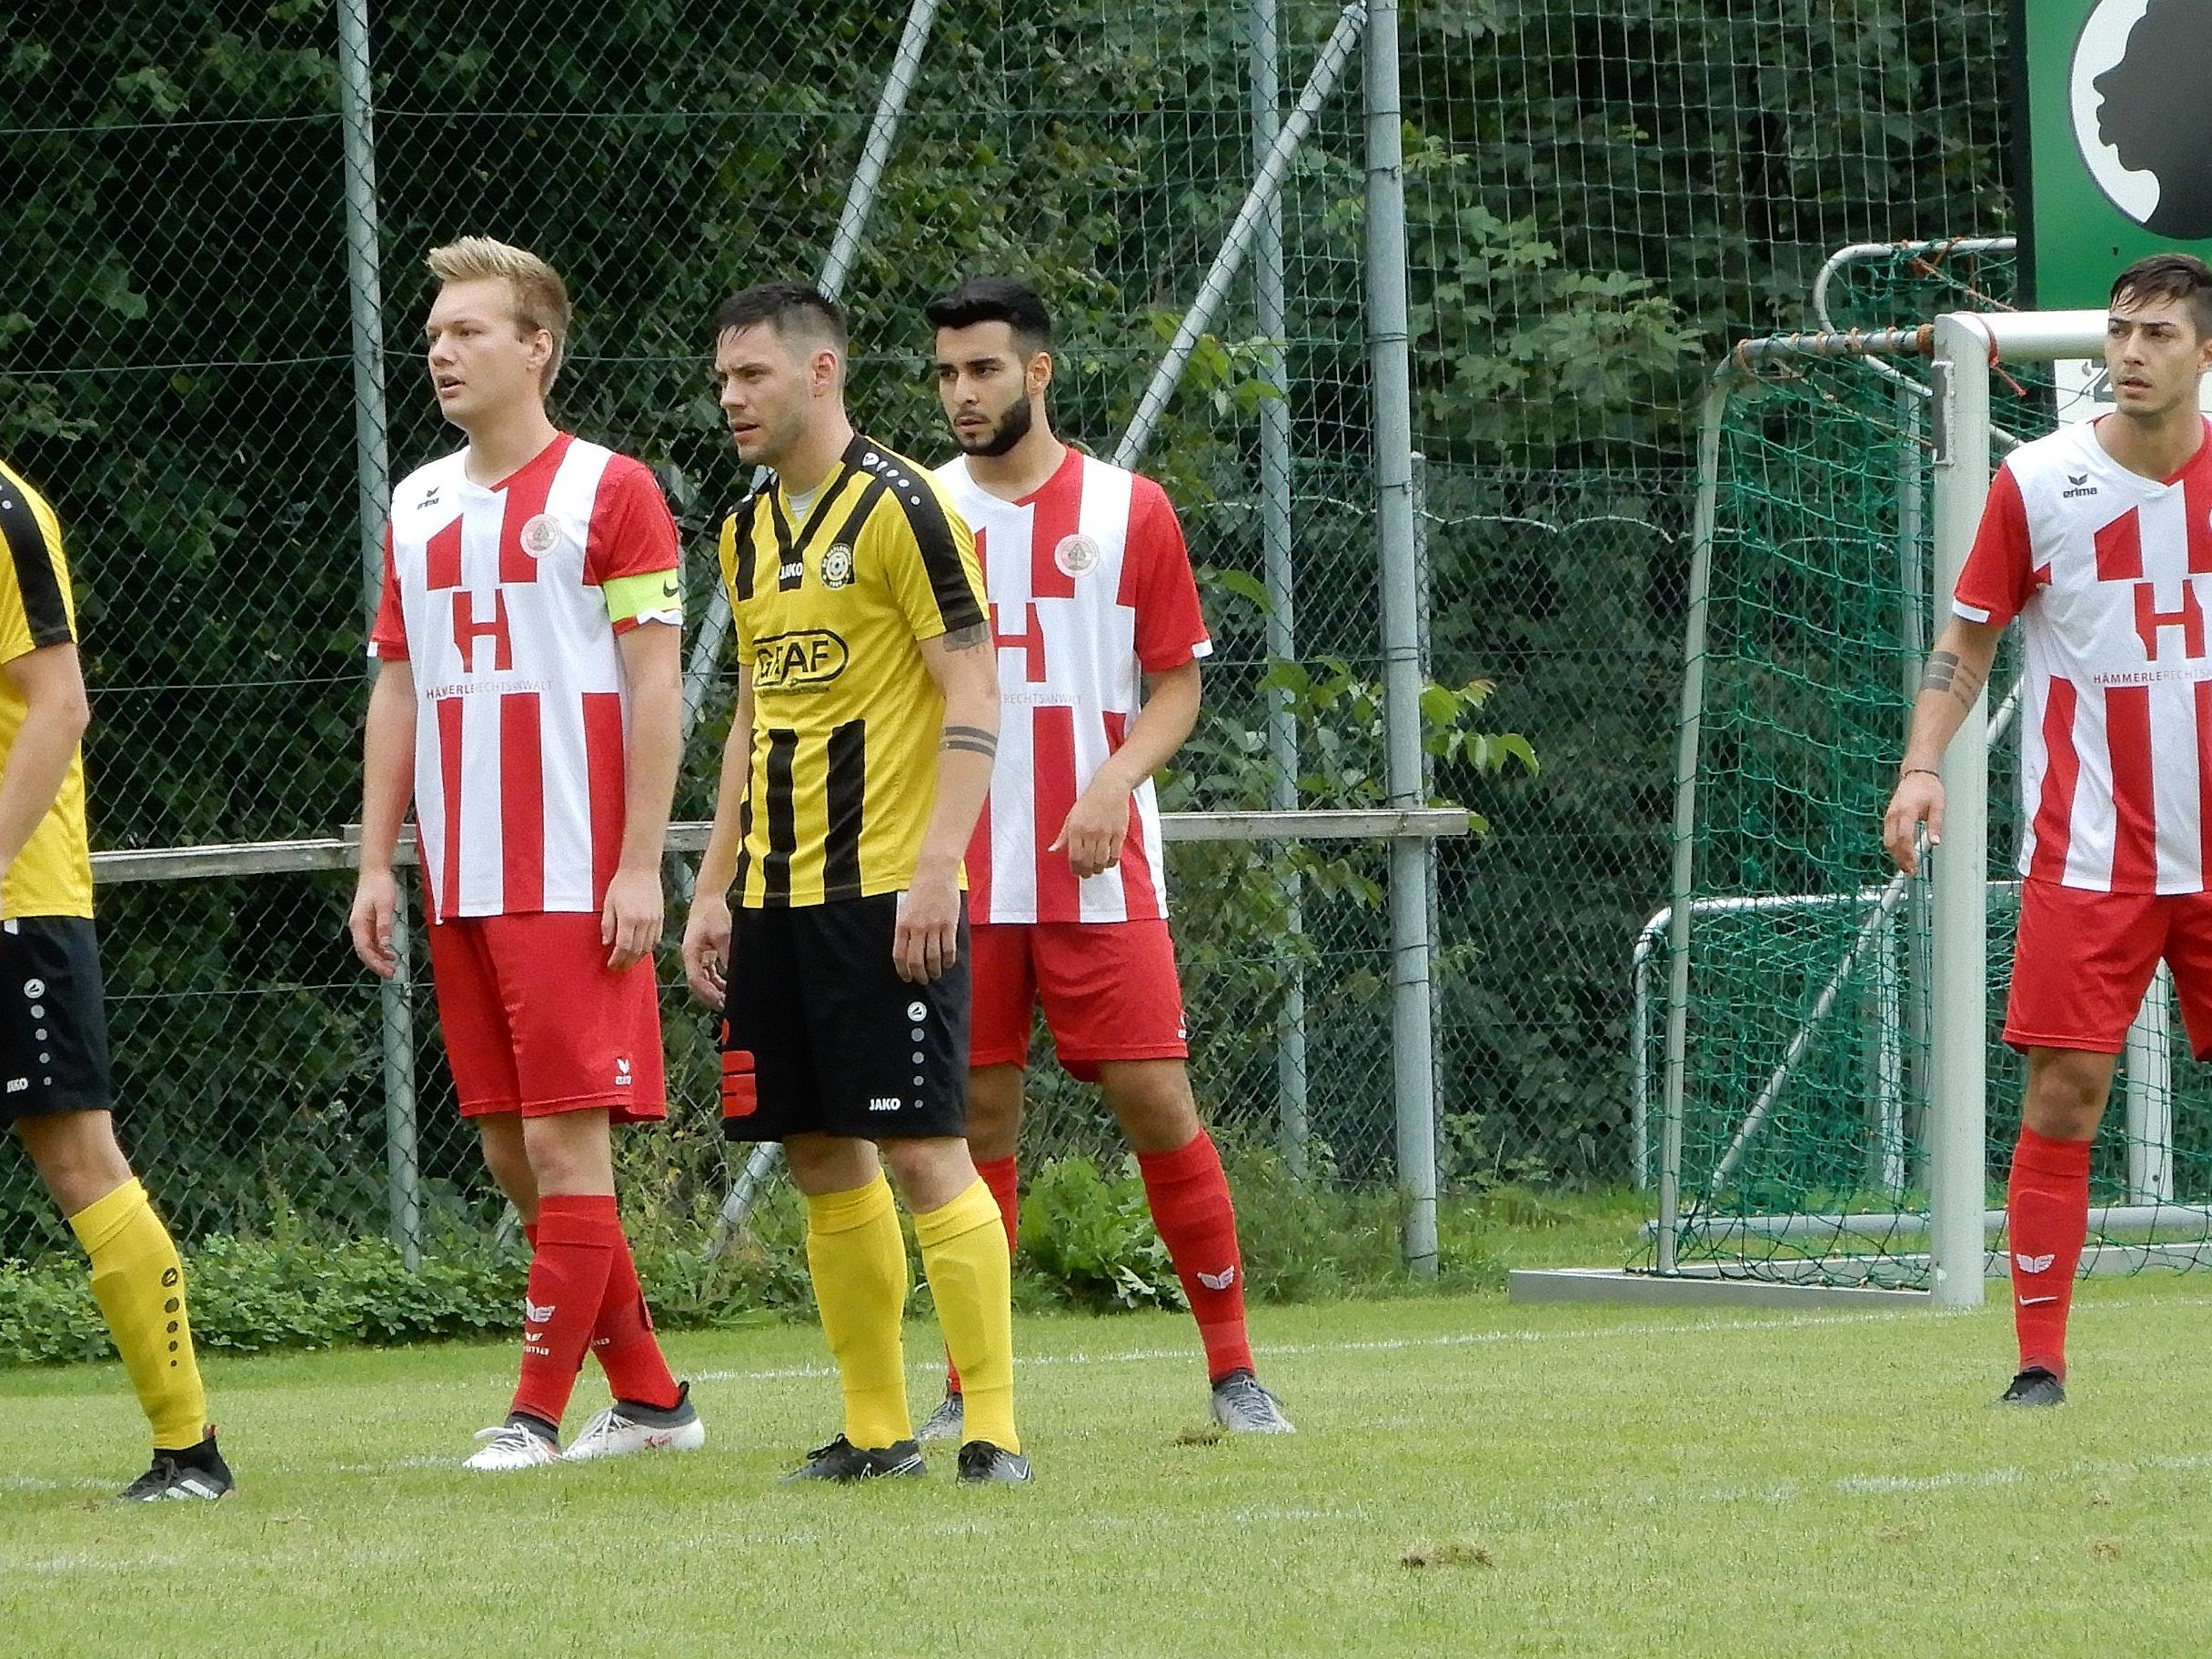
x=528, y=701
x=2099, y=539
x=1100, y=635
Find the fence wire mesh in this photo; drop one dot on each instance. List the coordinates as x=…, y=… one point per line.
x=1598, y=198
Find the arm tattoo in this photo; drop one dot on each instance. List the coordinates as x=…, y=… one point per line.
x=967, y=638
x=973, y=739
x=1946, y=673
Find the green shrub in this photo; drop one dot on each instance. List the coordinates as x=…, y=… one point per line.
x=1090, y=1237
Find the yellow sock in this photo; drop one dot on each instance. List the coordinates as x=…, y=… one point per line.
x=857, y=1260
x=139, y=1284
x=963, y=1252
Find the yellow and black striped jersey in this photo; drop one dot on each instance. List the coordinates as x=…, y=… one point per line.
x=51, y=876
x=846, y=718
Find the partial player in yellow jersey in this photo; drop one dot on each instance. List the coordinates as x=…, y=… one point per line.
x=54, y=1088
x=858, y=759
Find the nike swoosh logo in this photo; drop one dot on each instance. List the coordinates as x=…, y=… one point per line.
x=668, y=590
x=2036, y=1302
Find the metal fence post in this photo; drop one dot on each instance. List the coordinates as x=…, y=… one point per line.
x=372, y=472
x=1414, y=1057
x=1270, y=310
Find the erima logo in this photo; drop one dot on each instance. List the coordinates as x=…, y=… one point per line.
x=430, y=499
x=532, y=1314
x=1221, y=1280
x=884, y=1102
x=812, y=657
x=2079, y=485
x=2034, y=1264
x=622, y=1076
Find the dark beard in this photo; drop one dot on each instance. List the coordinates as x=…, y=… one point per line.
x=1012, y=431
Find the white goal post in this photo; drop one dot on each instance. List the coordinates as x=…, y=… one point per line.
x=1966, y=344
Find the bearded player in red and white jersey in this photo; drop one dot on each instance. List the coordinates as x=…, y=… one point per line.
x=527, y=700
x=2099, y=539
x=1100, y=635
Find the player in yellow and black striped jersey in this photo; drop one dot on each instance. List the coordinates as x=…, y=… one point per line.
x=846, y=719
x=859, y=756
x=54, y=1089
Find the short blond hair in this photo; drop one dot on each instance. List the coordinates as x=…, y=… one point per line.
x=540, y=297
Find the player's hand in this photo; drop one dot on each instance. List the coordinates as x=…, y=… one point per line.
x=629, y=924
x=1918, y=801
x=376, y=901
x=1096, y=826
x=928, y=939
x=706, y=948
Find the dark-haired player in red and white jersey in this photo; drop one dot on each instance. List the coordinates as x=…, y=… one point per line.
x=2099, y=539
x=527, y=700
x=1100, y=635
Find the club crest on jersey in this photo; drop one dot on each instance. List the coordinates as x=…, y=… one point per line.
x=541, y=534
x=1077, y=555
x=809, y=657
x=837, y=566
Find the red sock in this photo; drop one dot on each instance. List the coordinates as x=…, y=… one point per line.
x=2047, y=1211
x=577, y=1235
x=622, y=1337
x=1003, y=1177
x=1198, y=1223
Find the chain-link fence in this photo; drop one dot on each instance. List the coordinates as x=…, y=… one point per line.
x=1596, y=197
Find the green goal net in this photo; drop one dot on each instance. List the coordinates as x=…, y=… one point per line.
x=1802, y=1076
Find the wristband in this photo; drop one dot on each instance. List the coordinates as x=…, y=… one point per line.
x=1926, y=771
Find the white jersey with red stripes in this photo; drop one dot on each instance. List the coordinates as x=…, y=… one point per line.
x=1091, y=589
x=494, y=594
x=2111, y=575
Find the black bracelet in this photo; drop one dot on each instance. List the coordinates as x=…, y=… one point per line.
x=1926, y=771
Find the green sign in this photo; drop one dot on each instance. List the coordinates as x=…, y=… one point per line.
x=2113, y=98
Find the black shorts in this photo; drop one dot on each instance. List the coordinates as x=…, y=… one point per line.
x=53, y=1018
x=838, y=1043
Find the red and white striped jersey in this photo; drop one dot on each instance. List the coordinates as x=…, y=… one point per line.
x=1091, y=589
x=2110, y=574
x=507, y=601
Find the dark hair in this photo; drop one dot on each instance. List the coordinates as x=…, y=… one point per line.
x=2182, y=277
x=789, y=308
x=995, y=300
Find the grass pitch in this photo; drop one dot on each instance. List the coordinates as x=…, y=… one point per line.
x=1470, y=1478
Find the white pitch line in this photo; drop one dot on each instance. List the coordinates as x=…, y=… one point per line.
x=1707, y=1326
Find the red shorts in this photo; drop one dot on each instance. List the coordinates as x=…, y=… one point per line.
x=535, y=1023
x=1109, y=989
x=2084, y=960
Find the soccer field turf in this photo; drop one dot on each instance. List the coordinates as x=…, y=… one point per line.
x=1585, y=1481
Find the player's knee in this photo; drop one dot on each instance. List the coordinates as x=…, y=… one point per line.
x=1153, y=1101
x=2067, y=1091
x=994, y=1109
x=929, y=1172
x=821, y=1164
x=569, y=1152
x=76, y=1155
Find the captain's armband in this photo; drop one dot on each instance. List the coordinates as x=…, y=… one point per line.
x=656, y=595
